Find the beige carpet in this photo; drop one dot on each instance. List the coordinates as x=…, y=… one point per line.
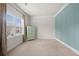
x=41, y=47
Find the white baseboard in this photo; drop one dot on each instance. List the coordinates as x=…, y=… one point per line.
x=68, y=46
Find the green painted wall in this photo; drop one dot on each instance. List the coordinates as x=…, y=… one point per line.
x=67, y=25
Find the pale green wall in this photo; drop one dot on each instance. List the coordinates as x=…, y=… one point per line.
x=67, y=25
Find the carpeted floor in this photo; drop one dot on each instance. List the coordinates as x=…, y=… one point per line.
x=41, y=47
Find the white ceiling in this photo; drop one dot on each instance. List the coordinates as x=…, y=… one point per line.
x=41, y=9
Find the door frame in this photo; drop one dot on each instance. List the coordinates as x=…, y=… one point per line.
x=3, y=40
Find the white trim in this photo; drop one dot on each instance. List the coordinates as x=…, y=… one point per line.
x=74, y=50
x=61, y=9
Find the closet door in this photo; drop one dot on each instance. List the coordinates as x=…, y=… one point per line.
x=2, y=29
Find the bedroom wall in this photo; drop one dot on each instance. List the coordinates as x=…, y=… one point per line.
x=27, y=20
x=45, y=29
x=67, y=25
